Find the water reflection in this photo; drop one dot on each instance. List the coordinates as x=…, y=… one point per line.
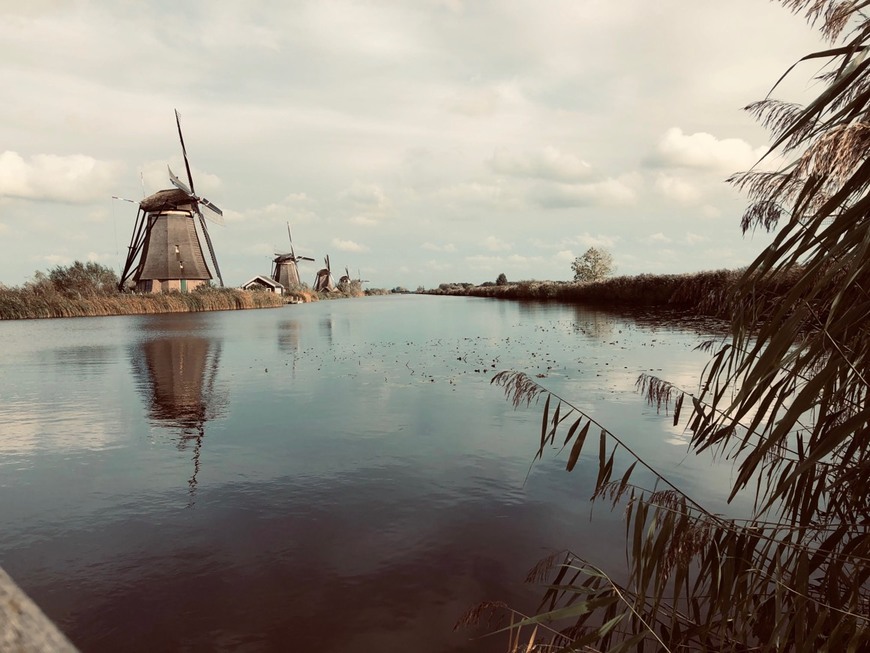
x=176, y=376
x=288, y=335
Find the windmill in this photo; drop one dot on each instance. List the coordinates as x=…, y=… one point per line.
x=165, y=252
x=324, y=282
x=284, y=266
x=347, y=280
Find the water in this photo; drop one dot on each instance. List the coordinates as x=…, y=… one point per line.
x=338, y=476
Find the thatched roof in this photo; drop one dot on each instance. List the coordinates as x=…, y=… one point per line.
x=165, y=200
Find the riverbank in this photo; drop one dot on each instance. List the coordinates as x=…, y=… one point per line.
x=703, y=293
x=24, y=303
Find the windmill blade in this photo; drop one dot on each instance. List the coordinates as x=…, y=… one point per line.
x=214, y=213
x=211, y=206
x=304, y=258
x=210, y=246
x=180, y=185
x=184, y=152
x=291, y=240
x=124, y=199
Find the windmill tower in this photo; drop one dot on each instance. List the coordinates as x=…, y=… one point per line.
x=165, y=252
x=324, y=282
x=284, y=266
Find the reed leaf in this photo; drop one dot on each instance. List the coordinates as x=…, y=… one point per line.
x=784, y=399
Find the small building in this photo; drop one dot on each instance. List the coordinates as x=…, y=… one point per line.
x=263, y=283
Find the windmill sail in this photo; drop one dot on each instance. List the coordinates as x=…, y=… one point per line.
x=285, y=269
x=165, y=251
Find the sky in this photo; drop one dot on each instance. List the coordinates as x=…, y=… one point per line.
x=414, y=143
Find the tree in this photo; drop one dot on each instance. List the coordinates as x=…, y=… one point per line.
x=83, y=279
x=784, y=400
x=594, y=265
x=501, y=280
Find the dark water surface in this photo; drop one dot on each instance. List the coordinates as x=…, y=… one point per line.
x=338, y=476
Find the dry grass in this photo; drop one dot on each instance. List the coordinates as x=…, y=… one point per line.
x=703, y=293
x=24, y=303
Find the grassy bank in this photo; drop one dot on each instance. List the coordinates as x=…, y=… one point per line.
x=704, y=293
x=29, y=303
x=303, y=294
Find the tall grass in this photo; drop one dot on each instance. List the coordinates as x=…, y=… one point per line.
x=30, y=303
x=706, y=293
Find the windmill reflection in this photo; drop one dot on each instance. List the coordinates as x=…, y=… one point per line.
x=176, y=376
x=288, y=336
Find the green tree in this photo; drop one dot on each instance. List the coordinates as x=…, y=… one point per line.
x=594, y=265
x=501, y=280
x=784, y=400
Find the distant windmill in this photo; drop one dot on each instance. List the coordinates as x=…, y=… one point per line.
x=346, y=278
x=324, y=282
x=165, y=252
x=284, y=266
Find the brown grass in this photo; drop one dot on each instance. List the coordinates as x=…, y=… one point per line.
x=704, y=293
x=24, y=303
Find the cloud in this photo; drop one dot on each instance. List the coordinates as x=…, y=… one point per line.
x=693, y=239
x=547, y=163
x=677, y=189
x=432, y=247
x=588, y=240
x=73, y=179
x=295, y=208
x=475, y=102
x=483, y=262
x=610, y=192
x=369, y=202
x=482, y=194
x=658, y=238
x=703, y=150
x=566, y=255
x=494, y=244
x=348, y=245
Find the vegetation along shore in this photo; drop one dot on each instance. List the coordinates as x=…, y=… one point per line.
x=702, y=293
x=90, y=289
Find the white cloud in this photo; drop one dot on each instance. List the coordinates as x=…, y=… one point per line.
x=348, y=245
x=659, y=238
x=480, y=194
x=703, y=150
x=432, y=247
x=475, y=102
x=547, y=163
x=74, y=178
x=370, y=203
x=566, y=255
x=588, y=240
x=694, y=239
x=494, y=244
x=710, y=211
x=483, y=262
x=677, y=189
x=610, y=192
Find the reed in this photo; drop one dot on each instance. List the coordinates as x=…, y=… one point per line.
x=30, y=303
x=703, y=293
